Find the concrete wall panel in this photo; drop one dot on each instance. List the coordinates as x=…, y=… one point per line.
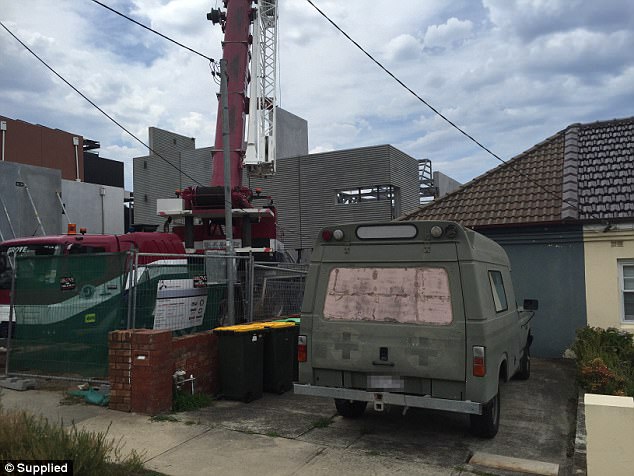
x=43, y=184
x=98, y=208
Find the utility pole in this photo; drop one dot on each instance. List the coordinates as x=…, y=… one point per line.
x=224, y=97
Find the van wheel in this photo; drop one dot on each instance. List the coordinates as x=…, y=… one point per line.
x=524, y=371
x=487, y=424
x=350, y=408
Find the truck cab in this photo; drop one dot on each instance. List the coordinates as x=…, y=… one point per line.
x=72, y=244
x=417, y=314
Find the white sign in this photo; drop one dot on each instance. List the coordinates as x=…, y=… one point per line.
x=180, y=303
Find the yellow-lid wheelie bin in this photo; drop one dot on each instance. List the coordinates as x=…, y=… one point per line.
x=241, y=351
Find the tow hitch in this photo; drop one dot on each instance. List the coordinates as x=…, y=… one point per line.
x=379, y=406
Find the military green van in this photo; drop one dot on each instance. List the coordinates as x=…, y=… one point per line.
x=415, y=314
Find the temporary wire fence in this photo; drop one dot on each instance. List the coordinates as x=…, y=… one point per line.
x=63, y=307
x=278, y=289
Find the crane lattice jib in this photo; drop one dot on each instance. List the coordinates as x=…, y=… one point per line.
x=236, y=53
x=261, y=153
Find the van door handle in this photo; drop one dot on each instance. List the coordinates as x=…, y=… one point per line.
x=384, y=364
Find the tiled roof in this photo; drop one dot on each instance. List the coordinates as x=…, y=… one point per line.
x=585, y=172
x=606, y=169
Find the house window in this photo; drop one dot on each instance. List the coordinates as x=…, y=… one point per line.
x=626, y=269
x=497, y=288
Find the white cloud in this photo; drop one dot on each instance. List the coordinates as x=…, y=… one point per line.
x=448, y=34
x=509, y=73
x=403, y=48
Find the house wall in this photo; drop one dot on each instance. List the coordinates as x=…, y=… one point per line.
x=610, y=431
x=603, y=250
x=548, y=265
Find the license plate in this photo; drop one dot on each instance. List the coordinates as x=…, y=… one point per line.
x=385, y=382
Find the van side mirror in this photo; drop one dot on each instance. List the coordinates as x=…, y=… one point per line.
x=531, y=304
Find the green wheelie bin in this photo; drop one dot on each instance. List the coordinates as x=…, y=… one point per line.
x=279, y=355
x=241, y=350
x=295, y=318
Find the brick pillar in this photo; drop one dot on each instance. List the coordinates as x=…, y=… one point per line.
x=119, y=365
x=151, y=371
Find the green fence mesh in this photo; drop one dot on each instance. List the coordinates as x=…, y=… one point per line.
x=65, y=306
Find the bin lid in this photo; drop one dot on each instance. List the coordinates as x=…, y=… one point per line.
x=278, y=324
x=240, y=328
x=296, y=320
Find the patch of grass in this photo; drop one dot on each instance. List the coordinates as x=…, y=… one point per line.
x=605, y=361
x=273, y=434
x=184, y=402
x=164, y=417
x=322, y=423
x=27, y=437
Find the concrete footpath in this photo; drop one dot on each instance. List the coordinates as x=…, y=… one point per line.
x=289, y=434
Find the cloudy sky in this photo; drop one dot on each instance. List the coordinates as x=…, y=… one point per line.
x=511, y=73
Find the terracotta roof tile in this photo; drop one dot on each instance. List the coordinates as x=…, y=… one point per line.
x=585, y=172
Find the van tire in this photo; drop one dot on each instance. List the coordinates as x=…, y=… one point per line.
x=350, y=408
x=524, y=372
x=487, y=424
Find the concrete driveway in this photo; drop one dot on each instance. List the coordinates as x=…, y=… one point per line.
x=290, y=434
x=537, y=424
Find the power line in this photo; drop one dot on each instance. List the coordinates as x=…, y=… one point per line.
x=92, y=103
x=153, y=31
x=440, y=114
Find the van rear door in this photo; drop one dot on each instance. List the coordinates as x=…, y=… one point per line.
x=398, y=322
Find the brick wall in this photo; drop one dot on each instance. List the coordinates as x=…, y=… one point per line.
x=142, y=362
x=119, y=354
x=197, y=354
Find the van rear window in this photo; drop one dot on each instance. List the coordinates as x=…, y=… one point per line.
x=407, y=295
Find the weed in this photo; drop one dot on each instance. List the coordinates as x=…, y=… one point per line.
x=27, y=437
x=322, y=423
x=273, y=434
x=184, y=402
x=163, y=417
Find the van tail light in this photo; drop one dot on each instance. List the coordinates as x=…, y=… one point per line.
x=302, y=349
x=479, y=361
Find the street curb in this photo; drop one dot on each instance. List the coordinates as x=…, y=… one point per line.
x=579, y=462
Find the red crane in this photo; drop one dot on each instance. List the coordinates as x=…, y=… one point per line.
x=254, y=225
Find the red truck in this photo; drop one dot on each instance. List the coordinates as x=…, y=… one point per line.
x=71, y=244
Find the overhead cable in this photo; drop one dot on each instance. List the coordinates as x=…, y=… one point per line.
x=92, y=103
x=153, y=31
x=442, y=116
